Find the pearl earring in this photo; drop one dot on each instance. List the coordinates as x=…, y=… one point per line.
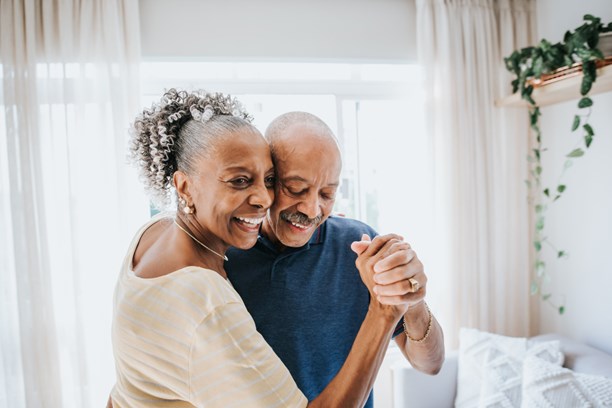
x=186, y=208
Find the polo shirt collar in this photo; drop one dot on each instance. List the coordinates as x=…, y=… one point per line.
x=319, y=234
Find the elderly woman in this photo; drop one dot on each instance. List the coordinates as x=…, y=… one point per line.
x=182, y=336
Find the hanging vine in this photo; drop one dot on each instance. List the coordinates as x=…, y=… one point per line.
x=578, y=48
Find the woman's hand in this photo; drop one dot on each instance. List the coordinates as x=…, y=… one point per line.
x=371, y=253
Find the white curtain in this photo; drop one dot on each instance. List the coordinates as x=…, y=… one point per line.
x=478, y=157
x=68, y=90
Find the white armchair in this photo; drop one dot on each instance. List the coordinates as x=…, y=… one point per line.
x=413, y=389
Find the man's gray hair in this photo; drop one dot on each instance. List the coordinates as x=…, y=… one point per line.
x=279, y=126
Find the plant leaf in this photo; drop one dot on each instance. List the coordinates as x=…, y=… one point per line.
x=515, y=85
x=560, y=254
x=588, y=129
x=561, y=310
x=585, y=102
x=588, y=139
x=534, y=288
x=546, y=297
x=576, y=123
x=537, y=245
x=586, y=84
x=540, y=268
x=546, y=192
x=576, y=153
x=538, y=65
x=598, y=54
x=561, y=188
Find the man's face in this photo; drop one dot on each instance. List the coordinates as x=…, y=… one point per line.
x=308, y=172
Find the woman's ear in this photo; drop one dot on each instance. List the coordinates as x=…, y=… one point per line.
x=181, y=183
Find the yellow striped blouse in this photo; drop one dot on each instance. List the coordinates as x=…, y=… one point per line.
x=186, y=340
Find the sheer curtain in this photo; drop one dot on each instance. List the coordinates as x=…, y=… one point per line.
x=69, y=87
x=478, y=155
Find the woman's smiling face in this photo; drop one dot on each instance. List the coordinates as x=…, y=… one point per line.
x=233, y=187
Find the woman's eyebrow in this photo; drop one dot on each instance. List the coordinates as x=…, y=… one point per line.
x=236, y=168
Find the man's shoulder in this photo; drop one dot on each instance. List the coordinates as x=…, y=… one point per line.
x=339, y=226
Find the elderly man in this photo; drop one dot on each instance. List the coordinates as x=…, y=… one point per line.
x=300, y=282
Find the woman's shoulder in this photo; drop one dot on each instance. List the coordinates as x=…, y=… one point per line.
x=159, y=272
x=192, y=293
x=208, y=282
x=152, y=224
x=199, y=289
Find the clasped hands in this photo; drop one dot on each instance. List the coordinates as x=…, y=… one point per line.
x=391, y=271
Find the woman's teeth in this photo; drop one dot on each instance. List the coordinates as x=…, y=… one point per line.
x=252, y=221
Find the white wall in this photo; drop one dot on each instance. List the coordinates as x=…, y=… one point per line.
x=336, y=30
x=581, y=222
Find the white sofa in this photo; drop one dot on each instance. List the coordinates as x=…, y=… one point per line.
x=413, y=389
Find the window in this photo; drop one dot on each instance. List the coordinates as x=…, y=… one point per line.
x=376, y=111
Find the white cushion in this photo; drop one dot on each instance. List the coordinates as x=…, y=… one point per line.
x=474, y=347
x=503, y=371
x=546, y=385
x=490, y=368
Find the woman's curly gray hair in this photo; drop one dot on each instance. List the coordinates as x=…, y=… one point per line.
x=174, y=132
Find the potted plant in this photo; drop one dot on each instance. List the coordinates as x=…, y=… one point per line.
x=581, y=51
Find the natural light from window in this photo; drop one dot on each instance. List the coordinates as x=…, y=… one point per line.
x=376, y=110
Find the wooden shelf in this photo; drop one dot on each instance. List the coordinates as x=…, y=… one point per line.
x=561, y=91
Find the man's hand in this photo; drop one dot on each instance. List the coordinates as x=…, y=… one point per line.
x=396, y=273
x=396, y=268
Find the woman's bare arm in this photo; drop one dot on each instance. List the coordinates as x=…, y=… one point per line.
x=351, y=386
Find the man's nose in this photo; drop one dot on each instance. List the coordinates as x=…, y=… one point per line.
x=310, y=207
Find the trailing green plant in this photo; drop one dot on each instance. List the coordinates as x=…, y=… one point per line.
x=528, y=64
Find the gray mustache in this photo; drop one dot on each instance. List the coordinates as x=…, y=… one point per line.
x=302, y=219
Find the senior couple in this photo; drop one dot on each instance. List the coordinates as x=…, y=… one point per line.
x=251, y=294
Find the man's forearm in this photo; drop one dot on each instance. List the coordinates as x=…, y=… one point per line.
x=426, y=355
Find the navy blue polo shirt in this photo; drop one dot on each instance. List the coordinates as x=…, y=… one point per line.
x=307, y=302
